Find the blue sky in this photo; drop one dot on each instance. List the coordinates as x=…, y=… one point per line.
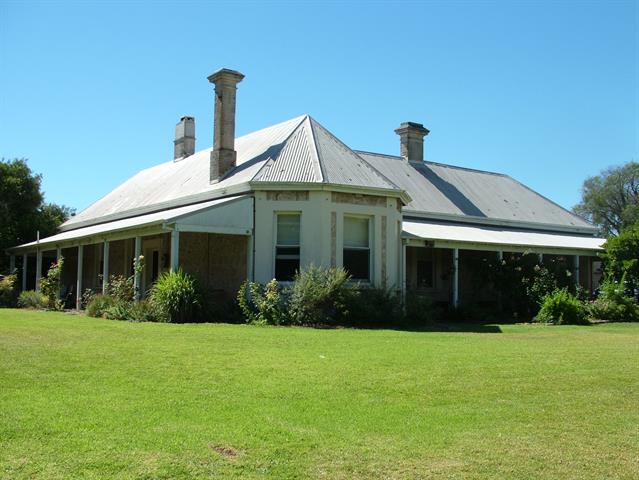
x=547, y=92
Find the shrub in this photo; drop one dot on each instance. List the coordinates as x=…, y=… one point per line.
x=99, y=304
x=420, y=310
x=613, y=304
x=319, y=296
x=621, y=256
x=373, y=307
x=121, y=288
x=145, y=311
x=120, y=310
x=7, y=290
x=263, y=304
x=32, y=299
x=176, y=295
x=50, y=285
x=562, y=308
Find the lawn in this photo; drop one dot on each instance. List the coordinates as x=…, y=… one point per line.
x=94, y=399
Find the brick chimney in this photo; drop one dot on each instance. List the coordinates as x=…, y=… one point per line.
x=184, y=143
x=223, y=156
x=412, y=140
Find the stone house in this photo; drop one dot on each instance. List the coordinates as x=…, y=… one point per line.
x=265, y=204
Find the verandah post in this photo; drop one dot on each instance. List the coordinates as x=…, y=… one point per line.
x=78, y=283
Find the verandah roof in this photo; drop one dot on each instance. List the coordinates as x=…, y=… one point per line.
x=496, y=238
x=234, y=220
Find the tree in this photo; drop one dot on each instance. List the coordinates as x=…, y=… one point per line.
x=621, y=256
x=610, y=200
x=22, y=208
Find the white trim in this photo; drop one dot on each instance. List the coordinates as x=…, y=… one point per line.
x=211, y=229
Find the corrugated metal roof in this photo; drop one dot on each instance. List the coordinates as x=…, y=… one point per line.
x=165, y=216
x=446, y=189
x=298, y=150
x=185, y=181
x=296, y=162
x=341, y=165
x=498, y=236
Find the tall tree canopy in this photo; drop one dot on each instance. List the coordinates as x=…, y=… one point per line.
x=23, y=210
x=610, y=200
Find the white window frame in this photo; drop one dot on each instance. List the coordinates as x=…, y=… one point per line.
x=371, y=236
x=275, y=244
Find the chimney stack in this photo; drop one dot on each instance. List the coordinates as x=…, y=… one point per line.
x=184, y=143
x=412, y=140
x=223, y=156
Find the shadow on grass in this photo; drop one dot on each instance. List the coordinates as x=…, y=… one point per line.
x=443, y=327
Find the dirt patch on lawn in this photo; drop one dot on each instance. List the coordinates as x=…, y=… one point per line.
x=225, y=450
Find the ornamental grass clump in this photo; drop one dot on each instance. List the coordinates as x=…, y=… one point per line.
x=562, y=308
x=177, y=297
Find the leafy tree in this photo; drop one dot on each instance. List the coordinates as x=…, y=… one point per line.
x=621, y=256
x=22, y=208
x=610, y=200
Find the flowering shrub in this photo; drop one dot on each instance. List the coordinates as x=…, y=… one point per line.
x=50, y=286
x=7, y=290
x=263, y=304
x=613, y=304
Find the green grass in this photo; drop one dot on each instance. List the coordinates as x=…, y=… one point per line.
x=93, y=399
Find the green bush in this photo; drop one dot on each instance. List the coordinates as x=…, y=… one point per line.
x=562, y=308
x=120, y=310
x=32, y=299
x=177, y=296
x=145, y=311
x=319, y=296
x=373, y=308
x=263, y=304
x=419, y=310
x=8, y=292
x=98, y=305
x=613, y=305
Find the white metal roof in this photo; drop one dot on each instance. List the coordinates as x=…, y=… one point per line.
x=156, y=218
x=498, y=236
x=445, y=189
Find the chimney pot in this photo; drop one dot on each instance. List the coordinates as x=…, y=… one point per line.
x=184, y=143
x=411, y=136
x=224, y=156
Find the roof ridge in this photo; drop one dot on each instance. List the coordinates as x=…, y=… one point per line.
x=368, y=165
x=315, y=149
x=288, y=137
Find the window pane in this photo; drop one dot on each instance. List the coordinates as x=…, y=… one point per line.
x=286, y=265
x=288, y=229
x=356, y=232
x=356, y=262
